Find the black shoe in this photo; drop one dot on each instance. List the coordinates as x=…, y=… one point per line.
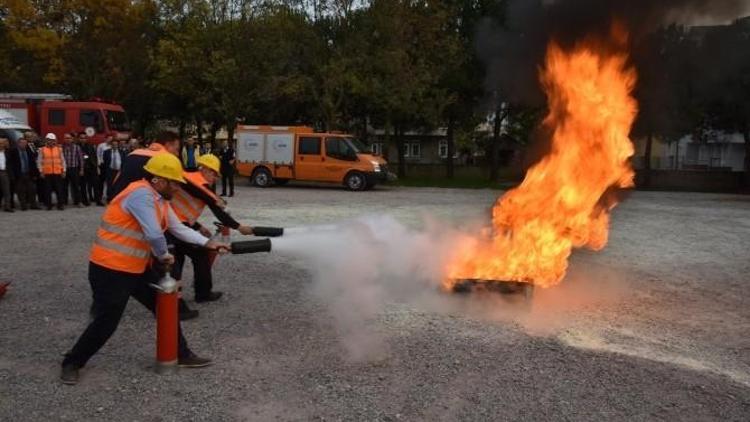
x=100, y=203
x=69, y=374
x=9, y=210
x=189, y=314
x=213, y=296
x=49, y=208
x=193, y=361
x=35, y=207
x=60, y=208
x=223, y=194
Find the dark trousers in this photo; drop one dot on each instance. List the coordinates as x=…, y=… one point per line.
x=7, y=194
x=227, y=178
x=202, y=278
x=102, y=180
x=26, y=191
x=73, y=184
x=90, y=187
x=111, y=175
x=111, y=290
x=53, y=183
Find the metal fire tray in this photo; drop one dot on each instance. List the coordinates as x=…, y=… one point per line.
x=510, y=288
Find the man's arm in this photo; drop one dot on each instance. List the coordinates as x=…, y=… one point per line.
x=183, y=232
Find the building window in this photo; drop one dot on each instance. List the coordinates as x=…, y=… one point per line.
x=377, y=148
x=56, y=117
x=412, y=150
x=443, y=149
x=416, y=150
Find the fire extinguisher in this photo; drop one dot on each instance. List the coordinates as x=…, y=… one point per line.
x=167, y=319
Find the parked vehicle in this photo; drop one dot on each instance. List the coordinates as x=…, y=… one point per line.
x=279, y=154
x=58, y=114
x=11, y=127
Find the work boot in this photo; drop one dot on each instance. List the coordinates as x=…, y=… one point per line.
x=193, y=361
x=69, y=374
x=213, y=296
x=189, y=314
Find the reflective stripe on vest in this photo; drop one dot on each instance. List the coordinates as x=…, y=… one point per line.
x=120, y=243
x=187, y=207
x=51, y=160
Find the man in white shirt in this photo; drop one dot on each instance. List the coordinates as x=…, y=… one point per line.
x=113, y=161
x=101, y=166
x=7, y=196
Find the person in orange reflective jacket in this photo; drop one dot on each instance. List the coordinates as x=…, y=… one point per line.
x=51, y=164
x=188, y=203
x=130, y=236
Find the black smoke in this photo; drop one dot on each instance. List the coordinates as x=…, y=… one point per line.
x=514, y=49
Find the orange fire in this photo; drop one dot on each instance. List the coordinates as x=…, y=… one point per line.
x=562, y=202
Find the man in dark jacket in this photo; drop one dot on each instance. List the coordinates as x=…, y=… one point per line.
x=132, y=165
x=22, y=164
x=227, y=167
x=89, y=182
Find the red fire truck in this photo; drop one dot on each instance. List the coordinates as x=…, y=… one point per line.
x=58, y=114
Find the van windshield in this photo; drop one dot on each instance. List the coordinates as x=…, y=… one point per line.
x=358, y=146
x=117, y=120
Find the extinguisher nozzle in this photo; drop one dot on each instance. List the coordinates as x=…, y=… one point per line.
x=251, y=246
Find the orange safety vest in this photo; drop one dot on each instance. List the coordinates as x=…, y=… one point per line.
x=153, y=149
x=51, y=160
x=187, y=207
x=120, y=244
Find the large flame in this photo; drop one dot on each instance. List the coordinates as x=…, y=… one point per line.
x=563, y=202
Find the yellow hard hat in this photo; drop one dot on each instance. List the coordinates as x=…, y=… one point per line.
x=211, y=161
x=165, y=165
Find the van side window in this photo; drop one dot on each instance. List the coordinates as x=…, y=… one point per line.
x=309, y=146
x=56, y=117
x=91, y=118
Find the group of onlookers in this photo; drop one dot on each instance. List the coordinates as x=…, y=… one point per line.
x=76, y=170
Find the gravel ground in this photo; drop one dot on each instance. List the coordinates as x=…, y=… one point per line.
x=655, y=327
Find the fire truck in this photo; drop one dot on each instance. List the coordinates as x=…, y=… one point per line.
x=59, y=114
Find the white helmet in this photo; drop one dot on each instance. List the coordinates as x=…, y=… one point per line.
x=51, y=136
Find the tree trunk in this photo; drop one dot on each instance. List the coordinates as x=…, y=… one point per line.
x=199, y=130
x=212, y=135
x=746, y=135
x=399, y=132
x=647, y=161
x=451, y=148
x=230, y=136
x=183, y=124
x=494, y=142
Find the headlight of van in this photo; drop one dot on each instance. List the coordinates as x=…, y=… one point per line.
x=375, y=166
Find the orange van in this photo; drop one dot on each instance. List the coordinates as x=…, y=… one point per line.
x=278, y=154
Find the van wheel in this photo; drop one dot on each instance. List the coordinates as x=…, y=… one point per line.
x=281, y=182
x=262, y=178
x=355, y=181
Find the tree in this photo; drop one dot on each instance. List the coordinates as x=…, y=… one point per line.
x=665, y=91
x=726, y=53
